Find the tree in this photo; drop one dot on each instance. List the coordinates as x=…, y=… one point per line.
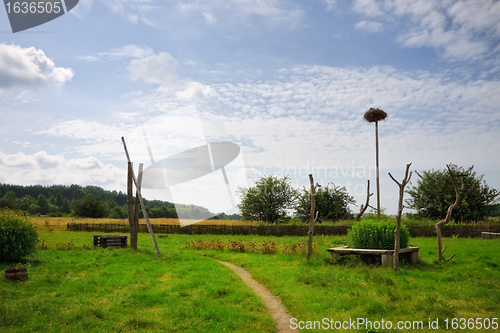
x=332, y=203
x=434, y=193
x=268, y=200
x=43, y=203
x=9, y=200
x=90, y=206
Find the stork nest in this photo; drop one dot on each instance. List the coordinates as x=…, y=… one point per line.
x=374, y=115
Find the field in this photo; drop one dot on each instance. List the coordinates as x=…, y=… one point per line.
x=117, y=290
x=45, y=221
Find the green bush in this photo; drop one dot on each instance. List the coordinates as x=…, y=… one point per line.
x=374, y=234
x=18, y=237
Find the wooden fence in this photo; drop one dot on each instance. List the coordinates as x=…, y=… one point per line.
x=278, y=230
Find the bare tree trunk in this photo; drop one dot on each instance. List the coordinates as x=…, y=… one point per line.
x=312, y=218
x=365, y=206
x=397, y=232
x=448, y=215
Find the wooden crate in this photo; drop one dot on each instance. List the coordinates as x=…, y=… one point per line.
x=115, y=241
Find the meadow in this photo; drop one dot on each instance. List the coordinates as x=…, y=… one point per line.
x=72, y=289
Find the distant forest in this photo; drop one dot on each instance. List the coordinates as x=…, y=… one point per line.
x=90, y=201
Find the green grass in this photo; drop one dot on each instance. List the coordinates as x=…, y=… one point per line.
x=186, y=291
x=117, y=290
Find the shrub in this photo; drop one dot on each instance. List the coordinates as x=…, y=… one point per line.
x=372, y=234
x=18, y=237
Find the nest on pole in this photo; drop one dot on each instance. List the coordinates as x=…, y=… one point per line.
x=374, y=115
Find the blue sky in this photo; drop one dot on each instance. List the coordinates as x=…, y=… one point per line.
x=288, y=81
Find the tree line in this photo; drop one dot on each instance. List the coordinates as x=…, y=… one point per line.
x=272, y=199
x=88, y=201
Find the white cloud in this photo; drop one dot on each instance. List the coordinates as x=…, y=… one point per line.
x=209, y=17
x=29, y=67
x=128, y=51
x=459, y=30
x=43, y=168
x=88, y=58
x=367, y=7
x=156, y=69
x=369, y=26
x=160, y=69
x=330, y=4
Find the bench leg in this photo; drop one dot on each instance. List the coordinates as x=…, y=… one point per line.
x=413, y=258
x=334, y=255
x=386, y=260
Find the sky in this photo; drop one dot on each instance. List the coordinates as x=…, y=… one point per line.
x=287, y=81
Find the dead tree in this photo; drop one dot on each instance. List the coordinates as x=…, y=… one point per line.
x=312, y=217
x=395, y=259
x=366, y=205
x=448, y=214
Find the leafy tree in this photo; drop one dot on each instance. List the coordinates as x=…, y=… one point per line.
x=332, y=203
x=59, y=200
x=43, y=203
x=66, y=207
x=26, y=202
x=268, y=200
x=434, y=193
x=9, y=200
x=18, y=238
x=90, y=206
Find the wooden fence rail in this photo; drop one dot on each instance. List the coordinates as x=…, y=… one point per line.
x=278, y=230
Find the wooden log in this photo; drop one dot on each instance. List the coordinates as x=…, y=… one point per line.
x=16, y=273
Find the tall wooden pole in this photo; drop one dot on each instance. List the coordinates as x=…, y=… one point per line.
x=378, y=177
x=130, y=210
x=153, y=238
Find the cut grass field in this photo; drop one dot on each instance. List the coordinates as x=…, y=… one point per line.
x=63, y=221
x=186, y=291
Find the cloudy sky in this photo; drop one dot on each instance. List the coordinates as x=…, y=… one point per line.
x=288, y=81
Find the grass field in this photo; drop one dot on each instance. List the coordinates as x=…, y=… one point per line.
x=62, y=221
x=118, y=290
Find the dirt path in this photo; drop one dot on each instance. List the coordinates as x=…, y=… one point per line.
x=273, y=304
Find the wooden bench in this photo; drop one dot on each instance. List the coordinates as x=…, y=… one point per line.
x=485, y=235
x=115, y=241
x=386, y=255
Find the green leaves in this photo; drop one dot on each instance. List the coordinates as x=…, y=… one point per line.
x=377, y=234
x=332, y=203
x=18, y=237
x=268, y=200
x=434, y=193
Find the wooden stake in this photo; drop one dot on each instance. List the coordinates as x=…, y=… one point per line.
x=130, y=209
x=134, y=228
x=378, y=177
x=312, y=218
x=138, y=189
